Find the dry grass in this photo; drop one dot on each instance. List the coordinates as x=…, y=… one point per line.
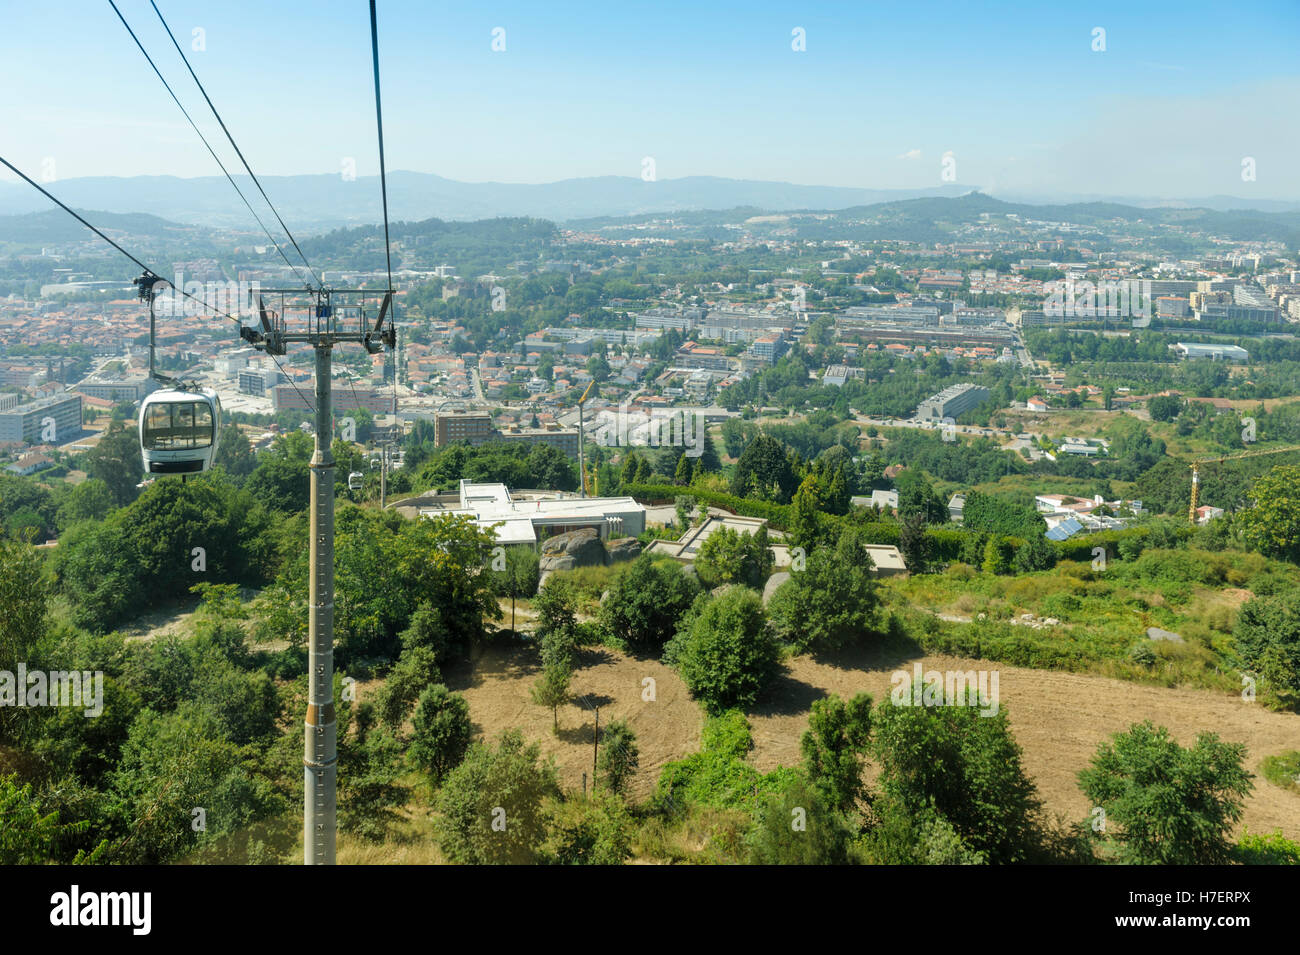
x=1058, y=719
x=497, y=686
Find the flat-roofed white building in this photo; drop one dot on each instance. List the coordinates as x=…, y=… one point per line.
x=518, y=521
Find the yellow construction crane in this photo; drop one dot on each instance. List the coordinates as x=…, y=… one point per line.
x=582, y=464
x=1196, y=470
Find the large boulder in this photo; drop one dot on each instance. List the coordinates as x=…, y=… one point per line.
x=580, y=548
x=625, y=548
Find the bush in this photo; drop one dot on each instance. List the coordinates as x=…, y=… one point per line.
x=965, y=767
x=728, y=655
x=1273, y=849
x=1173, y=806
x=718, y=775
x=491, y=805
x=1267, y=637
x=595, y=831
x=441, y=732
x=795, y=827
x=645, y=603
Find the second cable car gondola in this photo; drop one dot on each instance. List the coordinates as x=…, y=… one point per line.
x=179, y=431
x=356, y=480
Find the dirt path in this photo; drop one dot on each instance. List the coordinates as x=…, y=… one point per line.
x=1058, y=719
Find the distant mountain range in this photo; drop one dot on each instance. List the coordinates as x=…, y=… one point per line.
x=323, y=202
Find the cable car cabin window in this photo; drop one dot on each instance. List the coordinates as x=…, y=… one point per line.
x=178, y=426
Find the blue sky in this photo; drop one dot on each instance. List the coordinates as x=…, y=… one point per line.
x=1182, y=93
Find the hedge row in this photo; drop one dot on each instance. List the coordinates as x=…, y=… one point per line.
x=945, y=542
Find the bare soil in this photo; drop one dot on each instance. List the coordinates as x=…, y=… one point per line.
x=1058, y=718
x=497, y=688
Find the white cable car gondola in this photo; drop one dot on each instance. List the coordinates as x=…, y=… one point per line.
x=355, y=480
x=179, y=426
x=179, y=431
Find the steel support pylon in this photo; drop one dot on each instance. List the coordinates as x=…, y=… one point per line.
x=320, y=753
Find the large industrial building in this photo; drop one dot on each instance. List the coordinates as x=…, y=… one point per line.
x=527, y=520
x=30, y=423
x=953, y=401
x=1201, y=350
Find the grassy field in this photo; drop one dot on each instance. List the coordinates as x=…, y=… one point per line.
x=1092, y=620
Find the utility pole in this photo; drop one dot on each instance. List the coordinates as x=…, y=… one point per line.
x=325, y=326
x=595, y=751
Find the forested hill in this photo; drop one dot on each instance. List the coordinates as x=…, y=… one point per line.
x=434, y=242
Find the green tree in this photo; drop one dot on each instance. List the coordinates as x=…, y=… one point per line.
x=830, y=604
x=552, y=689
x=116, y=461
x=726, y=655
x=1267, y=637
x=1173, y=806
x=795, y=826
x=763, y=472
x=1272, y=525
x=234, y=452
x=806, y=515
x=619, y=755
x=91, y=500
x=682, y=473
x=964, y=765
x=913, y=544
x=1164, y=407
x=833, y=747
x=413, y=673
x=646, y=601
x=734, y=557
x=491, y=805
x=996, y=560
x=916, y=495
x=684, y=506
x=441, y=732
x=1036, y=553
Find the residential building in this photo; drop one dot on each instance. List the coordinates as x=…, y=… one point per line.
x=953, y=401
x=453, y=428
x=130, y=389
x=45, y=421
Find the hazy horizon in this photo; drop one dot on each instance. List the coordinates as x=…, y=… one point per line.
x=1020, y=101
